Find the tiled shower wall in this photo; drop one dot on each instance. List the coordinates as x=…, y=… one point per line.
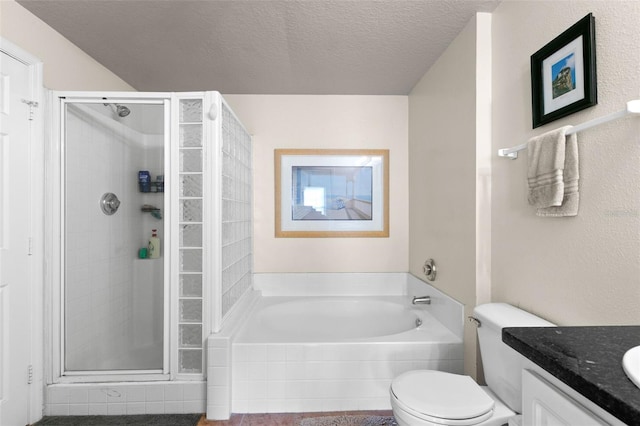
x=236, y=210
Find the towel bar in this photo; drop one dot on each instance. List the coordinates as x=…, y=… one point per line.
x=633, y=107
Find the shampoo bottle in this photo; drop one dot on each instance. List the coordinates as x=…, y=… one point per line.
x=154, y=245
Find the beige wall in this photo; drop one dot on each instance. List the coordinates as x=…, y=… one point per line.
x=66, y=67
x=586, y=269
x=326, y=122
x=449, y=138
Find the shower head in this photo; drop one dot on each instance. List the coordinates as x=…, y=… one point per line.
x=120, y=110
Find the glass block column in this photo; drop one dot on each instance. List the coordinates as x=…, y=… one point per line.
x=237, y=247
x=190, y=237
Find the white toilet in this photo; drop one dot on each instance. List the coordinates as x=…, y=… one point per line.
x=434, y=398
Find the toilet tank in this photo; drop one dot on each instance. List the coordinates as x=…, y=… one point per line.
x=503, y=365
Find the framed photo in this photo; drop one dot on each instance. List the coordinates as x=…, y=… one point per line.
x=563, y=74
x=331, y=193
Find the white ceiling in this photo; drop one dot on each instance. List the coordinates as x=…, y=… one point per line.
x=263, y=46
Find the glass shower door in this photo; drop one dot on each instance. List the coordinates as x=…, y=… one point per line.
x=113, y=286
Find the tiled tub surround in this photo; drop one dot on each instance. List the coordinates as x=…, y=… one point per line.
x=125, y=398
x=303, y=373
x=588, y=360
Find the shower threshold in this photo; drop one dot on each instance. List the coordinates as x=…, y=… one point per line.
x=80, y=377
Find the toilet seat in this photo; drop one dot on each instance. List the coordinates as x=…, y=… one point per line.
x=441, y=398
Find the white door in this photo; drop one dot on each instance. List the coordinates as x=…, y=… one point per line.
x=15, y=265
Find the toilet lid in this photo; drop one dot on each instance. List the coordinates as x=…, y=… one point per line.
x=441, y=395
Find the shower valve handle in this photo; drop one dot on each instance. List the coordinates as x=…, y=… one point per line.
x=109, y=203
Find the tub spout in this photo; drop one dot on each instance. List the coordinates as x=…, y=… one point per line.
x=422, y=300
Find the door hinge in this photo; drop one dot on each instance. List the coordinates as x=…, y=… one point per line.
x=32, y=105
x=30, y=246
x=30, y=374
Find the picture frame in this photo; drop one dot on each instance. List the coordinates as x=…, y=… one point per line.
x=322, y=193
x=563, y=74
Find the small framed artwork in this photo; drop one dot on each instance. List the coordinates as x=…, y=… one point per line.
x=331, y=193
x=563, y=74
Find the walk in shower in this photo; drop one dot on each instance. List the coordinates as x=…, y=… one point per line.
x=150, y=240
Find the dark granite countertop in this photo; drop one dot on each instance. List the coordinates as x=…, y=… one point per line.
x=587, y=359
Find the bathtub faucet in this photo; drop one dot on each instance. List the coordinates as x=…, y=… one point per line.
x=422, y=300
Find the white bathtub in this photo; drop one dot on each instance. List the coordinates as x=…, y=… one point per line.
x=329, y=353
x=332, y=319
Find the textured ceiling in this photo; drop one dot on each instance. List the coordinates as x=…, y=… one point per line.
x=263, y=46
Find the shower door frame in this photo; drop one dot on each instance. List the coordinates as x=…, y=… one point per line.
x=54, y=199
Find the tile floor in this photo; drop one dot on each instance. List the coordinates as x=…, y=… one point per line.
x=281, y=419
x=133, y=420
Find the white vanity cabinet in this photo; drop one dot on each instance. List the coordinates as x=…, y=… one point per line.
x=543, y=404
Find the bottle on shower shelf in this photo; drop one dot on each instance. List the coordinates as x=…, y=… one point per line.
x=144, y=181
x=154, y=245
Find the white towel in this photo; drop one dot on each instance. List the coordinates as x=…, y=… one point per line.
x=553, y=173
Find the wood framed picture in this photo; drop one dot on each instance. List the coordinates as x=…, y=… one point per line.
x=331, y=193
x=563, y=74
